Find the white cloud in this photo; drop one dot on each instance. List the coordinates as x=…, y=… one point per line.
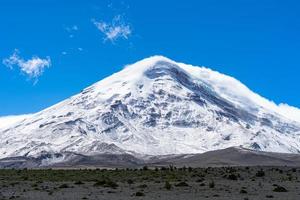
x=290, y=111
x=233, y=90
x=75, y=28
x=114, y=30
x=72, y=28
x=33, y=67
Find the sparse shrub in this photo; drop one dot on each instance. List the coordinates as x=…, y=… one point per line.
x=139, y=194
x=14, y=183
x=168, y=186
x=171, y=167
x=199, y=180
x=100, y=183
x=260, y=173
x=106, y=183
x=34, y=185
x=269, y=196
x=142, y=186
x=111, y=184
x=242, y=191
x=163, y=168
x=145, y=168
x=279, y=189
x=63, y=186
x=211, y=184
x=232, y=177
x=130, y=181
x=78, y=183
x=182, y=184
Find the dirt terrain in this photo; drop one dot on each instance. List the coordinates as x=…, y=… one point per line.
x=155, y=183
x=233, y=156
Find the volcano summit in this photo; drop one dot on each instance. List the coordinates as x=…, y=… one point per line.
x=155, y=107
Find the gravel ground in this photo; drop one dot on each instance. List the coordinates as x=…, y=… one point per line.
x=160, y=183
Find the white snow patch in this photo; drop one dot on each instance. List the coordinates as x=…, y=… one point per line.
x=8, y=121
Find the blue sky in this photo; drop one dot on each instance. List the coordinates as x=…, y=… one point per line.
x=80, y=42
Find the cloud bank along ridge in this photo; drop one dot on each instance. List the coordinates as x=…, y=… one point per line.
x=230, y=88
x=243, y=95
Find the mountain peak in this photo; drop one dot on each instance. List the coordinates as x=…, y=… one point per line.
x=145, y=64
x=150, y=61
x=155, y=106
x=133, y=75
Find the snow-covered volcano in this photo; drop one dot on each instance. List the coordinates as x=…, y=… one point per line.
x=156, y=107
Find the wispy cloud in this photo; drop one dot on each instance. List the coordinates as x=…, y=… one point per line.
x=33, y=67
x=71, y=30
x=115, y=29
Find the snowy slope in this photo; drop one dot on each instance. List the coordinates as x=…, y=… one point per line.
x=156, y=107
x=8, y=121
